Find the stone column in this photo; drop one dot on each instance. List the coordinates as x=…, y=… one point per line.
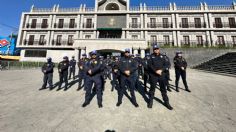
x=175, y=38
x=213, y=41
x=135, y=51
x=81, y=21
x=210, y=20
x=76, y=54
x=178, y=39
x=51, y=38
x=177, y=21
x=127, y=21
x=208, y=39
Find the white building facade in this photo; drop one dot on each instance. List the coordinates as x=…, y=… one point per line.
x=112, y=25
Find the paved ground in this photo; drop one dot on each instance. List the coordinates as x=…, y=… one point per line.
x=23, y=108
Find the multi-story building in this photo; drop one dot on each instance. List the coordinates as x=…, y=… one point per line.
x=112, y=25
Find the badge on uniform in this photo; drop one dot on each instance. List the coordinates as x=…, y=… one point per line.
x=129, y=61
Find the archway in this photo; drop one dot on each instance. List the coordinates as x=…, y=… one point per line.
x=112, y=6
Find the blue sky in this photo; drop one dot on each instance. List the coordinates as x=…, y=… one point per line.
x=10, y=11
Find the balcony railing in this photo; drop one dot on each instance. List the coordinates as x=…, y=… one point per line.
x=192, y=25
x=224, y=25
x=35, y=42
x=135, y=25
x=193, y=43
x=158, y=8
x=62, y=43
x=88, y=25
x=159, y=25
x=188, y=8
x=42, y=9
x=230, y=7
x=161, y=43
x=37, y=25
x=65, y=25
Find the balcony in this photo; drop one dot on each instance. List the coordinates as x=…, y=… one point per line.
x=65, y=25
x=192, y=25
x=35, y=42
x=37, y=25
x=162, y=43
x=224, y=25
x=88, y=25
x=62, y=43
x=224, y=44
x=194, y=43
x=159, y=25
x=135, y=25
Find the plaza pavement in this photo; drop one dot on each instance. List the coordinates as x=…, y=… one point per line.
x=23, y=108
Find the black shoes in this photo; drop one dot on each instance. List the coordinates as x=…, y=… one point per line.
x=168, y=89
x=85, y=104
x=149, y=105
x=177, y=90
x=187, y=90
x=100, y=106
x=118, y=104
x=168, y=106
x=136, y=105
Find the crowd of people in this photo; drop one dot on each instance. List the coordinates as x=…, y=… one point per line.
x=125, y=74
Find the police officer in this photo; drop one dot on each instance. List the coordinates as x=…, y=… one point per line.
x=180, y=65
x=127, y=68
x=115, y=73
x=47, y=70
x=146, y=71
x=63, y=72
x=72, y=67
x=140, y=65
x=156, y=66
x=81, y=65
x=93, y=73
x=167, y=72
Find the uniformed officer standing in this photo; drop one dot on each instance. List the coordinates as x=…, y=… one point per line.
x=81, y=65
x=47, y=70
x=127, y=68
x=140, y=65
x=156, y=66
x=63, y=72
x=167, y=71
x=72, y=67
x=93, y=73
x=180, y=70
x=146, y=71
x=115, y=74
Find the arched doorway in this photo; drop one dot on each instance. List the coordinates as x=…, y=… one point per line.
x=112, y=6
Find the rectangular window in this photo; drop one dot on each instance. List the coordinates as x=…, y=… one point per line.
x=153, y=23
x=234, y=40
x=185, y=23
x=72, y=23
x=89, y=23
x=59, y=40
x=31, y=40
x=197, y=22
x=221, y=40
x=153, y=39
x=232, y=23
x=186, y=40
x=42, y=40
x=61, y=23
x=35, y=53
x=33, y=23
x=165, y=22
x=199, y=40
x=134, y=23
x=87, y=36
x=134, y=37
x=70, y=40
x=218, y=23
x=166, y=39
x=44, y=23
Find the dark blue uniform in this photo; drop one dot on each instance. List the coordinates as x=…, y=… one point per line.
x=72, y=68
x=179, y=63
x=146, y=72
x=167, y=72
x=115, y=75
x=47, y=70
x=127, y=63
x=157, y=62
x=63, y=73
x=95, y=78
x=81, y=75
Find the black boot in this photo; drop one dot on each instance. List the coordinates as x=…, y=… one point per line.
x=187, y=89
x=150, y=105
x=168, y=106
x=118, y=103
x=177, y=86
x=168, y=88
x=85, y=104
x=100, y=105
